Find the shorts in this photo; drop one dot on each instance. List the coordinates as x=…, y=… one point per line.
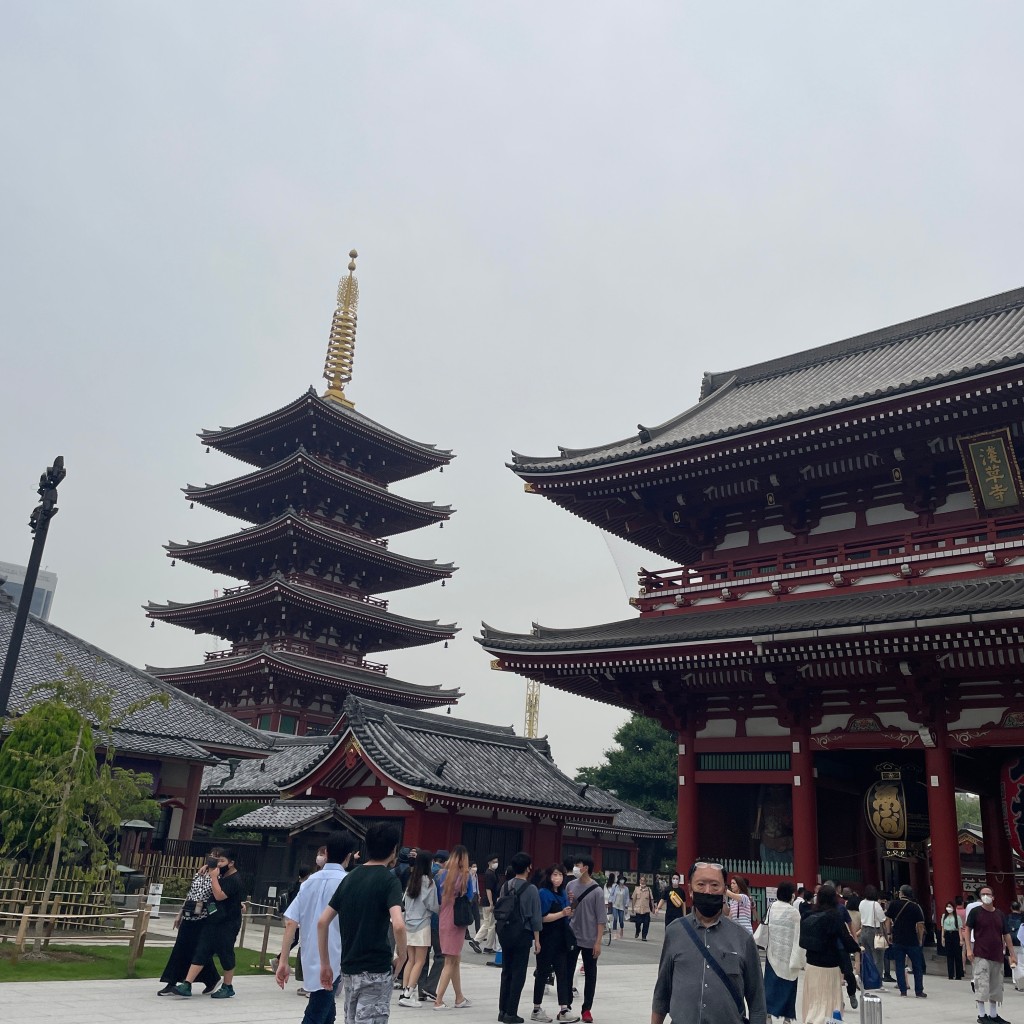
x=987, y=976
x=216, y=941
x=420, y=937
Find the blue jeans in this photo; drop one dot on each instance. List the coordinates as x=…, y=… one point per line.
x=321, y=1006
x=900, y=954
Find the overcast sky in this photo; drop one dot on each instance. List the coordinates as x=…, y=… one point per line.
x=565, y=213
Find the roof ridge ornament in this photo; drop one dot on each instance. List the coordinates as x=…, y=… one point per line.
x=341, y=348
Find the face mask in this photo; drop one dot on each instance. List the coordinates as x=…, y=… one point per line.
x=493, y=865
x=321, y=859
x=576, y=871
x=949, y=910
x=708, y=904
x=987, y=900
x=675, y=883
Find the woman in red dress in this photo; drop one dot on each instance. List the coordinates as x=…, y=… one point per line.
x=453, y=880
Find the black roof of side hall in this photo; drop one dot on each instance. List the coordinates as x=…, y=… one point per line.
x=187, y=728
x=976, y=337
x=916, y=606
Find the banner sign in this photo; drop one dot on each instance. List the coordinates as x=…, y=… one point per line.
x=992, y=472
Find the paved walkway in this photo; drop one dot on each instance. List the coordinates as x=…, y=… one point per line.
x=623, y=995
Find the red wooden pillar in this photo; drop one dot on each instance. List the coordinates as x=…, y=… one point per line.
x=998, y=856
x=188, y=815
x=687, y=836
x=805, y=811
x=938, y=765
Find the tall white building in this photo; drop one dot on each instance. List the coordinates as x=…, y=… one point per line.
x=12, y=578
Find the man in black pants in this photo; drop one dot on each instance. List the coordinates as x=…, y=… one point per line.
x=515, y=938
x=586, y=898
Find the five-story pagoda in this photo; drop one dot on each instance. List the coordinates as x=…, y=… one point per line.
x=314, y=560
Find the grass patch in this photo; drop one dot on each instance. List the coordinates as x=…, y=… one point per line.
x=96, y=963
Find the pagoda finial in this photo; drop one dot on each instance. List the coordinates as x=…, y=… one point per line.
x=341, y=349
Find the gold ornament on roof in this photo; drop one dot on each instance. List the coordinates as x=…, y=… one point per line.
x=341, y=349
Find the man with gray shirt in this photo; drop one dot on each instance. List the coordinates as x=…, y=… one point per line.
x=586, y=898
x=709, y=964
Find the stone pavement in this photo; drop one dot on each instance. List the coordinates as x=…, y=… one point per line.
x=624, y=993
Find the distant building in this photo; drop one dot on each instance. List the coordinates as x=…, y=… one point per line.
x=13, y=576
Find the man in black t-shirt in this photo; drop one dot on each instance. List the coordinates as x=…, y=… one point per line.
x=988, y=938
x=488, y=897
x=368, y=900
x=905, y=926
x=223, y=921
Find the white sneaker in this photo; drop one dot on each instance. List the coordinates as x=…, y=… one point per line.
x=567, y=1017
x=541, y=1016
x=411, y=1001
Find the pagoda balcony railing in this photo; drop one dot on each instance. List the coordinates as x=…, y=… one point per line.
x=345, y=468
x=305, y=647
x=314, y=583
x=340, y=528
x=960, y=541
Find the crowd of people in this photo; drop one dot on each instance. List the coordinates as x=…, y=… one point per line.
x=372, y=917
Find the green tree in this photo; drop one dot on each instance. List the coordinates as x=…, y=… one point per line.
x=968, y=809
x=219, y=829
x=641, y=770
x=64, y=797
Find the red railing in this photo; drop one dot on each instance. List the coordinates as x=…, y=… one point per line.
x=305, y=647
x=313, y=583
x=824, y=558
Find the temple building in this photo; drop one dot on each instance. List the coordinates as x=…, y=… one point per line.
x=839, y=648
x=307, y=625
x=441, y=780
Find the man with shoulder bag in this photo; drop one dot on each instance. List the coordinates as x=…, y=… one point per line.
x=710, y=970
x=518, y=919
x=905, y=924
x=588, y=923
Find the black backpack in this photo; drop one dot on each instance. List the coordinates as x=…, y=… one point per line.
x=508, y=915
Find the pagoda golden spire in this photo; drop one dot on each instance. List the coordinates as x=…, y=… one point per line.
x=341, y=349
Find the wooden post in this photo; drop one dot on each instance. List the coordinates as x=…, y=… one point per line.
x=138, y=940
x=266, y=940
x=19, y=942
x=245, y=918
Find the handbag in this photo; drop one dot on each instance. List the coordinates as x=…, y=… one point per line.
x=761, y=935
x=462, y=912
x=880, y=942
x=869, y=973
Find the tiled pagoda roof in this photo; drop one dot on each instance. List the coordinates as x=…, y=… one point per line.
x=400, y=456
x=230, y=495
x=290, y=665
x=914, y=607
x=967, y=340
x=632, y=821
x=402, y=571
x=186, y=728
x=469, y=761
x=289, y=758
x=394, y=631
x=295, y=816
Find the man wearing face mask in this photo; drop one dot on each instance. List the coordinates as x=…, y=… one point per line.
x=710, y=972
x=488, y=894
x=302, y=916
x=987, y=936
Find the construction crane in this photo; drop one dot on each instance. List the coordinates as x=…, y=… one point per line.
x=532, y=708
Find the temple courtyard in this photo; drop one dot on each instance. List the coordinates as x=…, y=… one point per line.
x=625, y=982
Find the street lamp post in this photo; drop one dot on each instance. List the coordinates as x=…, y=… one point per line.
x=39, y=524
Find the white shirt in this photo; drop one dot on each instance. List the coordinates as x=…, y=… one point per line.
x=967, y=914
x=305, y=910
x=871, y=914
